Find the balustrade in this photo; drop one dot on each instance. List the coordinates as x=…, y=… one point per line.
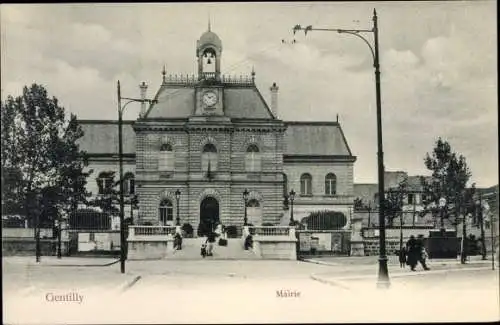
x=145, y=231
x=270, y=230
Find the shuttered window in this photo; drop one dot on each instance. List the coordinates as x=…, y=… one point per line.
x=306, y=184
x=252, y=159
x=209, y=158
x=166, y=158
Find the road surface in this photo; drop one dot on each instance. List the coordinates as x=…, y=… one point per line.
x=245, y=291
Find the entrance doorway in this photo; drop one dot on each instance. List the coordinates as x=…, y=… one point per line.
x=209, y=215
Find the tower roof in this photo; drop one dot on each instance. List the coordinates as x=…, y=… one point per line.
x=209, y=38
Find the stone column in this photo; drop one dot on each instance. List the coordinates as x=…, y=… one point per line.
x=357, y=245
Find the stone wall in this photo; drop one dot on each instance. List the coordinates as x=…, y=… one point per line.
x=372, y=246
x=27, y=247
x=275, y=248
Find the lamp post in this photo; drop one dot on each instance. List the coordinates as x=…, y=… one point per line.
x=442, y=205
x=177, y=198
x=121, y=109
x=486, y=212
x=482, y=206
x=369, y=213
x=37, y=237
x=245, y=199
x=463, y=254
x=383, y=272
x=59, y=229
x=291, y=197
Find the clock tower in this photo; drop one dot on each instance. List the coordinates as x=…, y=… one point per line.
x=209, y=91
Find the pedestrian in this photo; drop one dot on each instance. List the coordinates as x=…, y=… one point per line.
x=422, y=253
x=210, y=242
x=402, y=257
x=412, y=252
x=177, y=241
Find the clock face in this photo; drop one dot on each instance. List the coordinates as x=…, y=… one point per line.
x=210, y=98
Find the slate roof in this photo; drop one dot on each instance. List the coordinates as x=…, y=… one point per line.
x=173, y=102
x=315, y=138
x=179, y=102
x=301, y=138
x=101, y=137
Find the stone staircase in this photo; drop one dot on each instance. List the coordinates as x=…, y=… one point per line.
x=191, y=250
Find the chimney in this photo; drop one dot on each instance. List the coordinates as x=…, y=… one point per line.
x=274, y=99
x=143, y=88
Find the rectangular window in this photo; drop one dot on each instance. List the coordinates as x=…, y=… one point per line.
x=411, y=198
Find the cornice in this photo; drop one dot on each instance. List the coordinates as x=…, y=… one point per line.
x=318, y=158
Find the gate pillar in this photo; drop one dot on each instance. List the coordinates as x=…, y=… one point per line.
x=357, y=245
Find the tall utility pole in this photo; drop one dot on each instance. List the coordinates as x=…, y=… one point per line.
x=120, y=156
x=383, y=272
x=481, y=219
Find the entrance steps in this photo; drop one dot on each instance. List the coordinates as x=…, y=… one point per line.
x=191, y=250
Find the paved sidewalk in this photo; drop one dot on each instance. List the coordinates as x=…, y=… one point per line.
x=63, y=261
x=391, y=260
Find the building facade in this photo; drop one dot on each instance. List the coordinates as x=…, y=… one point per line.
x=210, y=138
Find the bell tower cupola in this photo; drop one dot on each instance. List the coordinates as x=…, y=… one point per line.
x=208, y=52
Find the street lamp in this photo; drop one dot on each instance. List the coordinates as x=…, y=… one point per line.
x=486, y=212
x=383, y=274
x=482, y=206
x=121, y=109
x=442, y=205
x=291, y=197
x=177, y=198
x=245, y=198
x=59, y=229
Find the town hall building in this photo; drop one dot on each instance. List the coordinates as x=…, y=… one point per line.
x=207, y=139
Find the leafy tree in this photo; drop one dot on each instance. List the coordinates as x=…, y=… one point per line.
x=109, y=200
x=394, y=201
x=360, y=205
x=450, y=175
x=40, y=157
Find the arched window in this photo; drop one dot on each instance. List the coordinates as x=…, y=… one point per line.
x=306, y=184
x=252, y=159
x=105, y=182
x=129, y=184
x=209, y=157
x=166, y=158
x=330, y=184
x=285, y=185
x=166, y=212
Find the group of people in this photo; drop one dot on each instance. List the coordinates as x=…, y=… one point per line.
x=413, y=253
x=208, y=244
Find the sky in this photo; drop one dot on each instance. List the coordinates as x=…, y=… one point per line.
x=438, y=64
